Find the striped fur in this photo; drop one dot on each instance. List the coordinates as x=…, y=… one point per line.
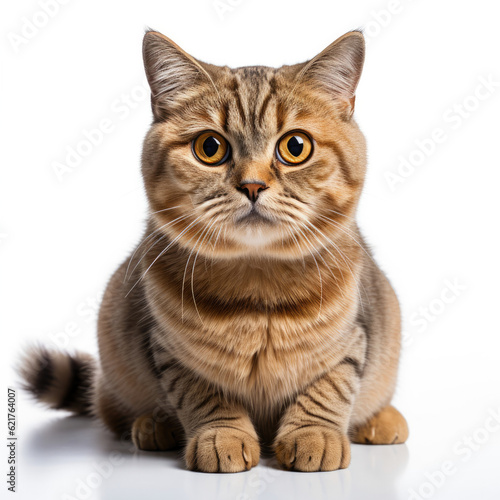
x=59, y=380
x=223, y=333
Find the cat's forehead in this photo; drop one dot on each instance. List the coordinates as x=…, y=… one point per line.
x=250, y=108
x=253, y=79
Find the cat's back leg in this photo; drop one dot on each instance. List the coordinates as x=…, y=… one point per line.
x=387, y=426
x=126, y=385
x=158, y=432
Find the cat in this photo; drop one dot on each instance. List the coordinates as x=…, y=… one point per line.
x=252, y=314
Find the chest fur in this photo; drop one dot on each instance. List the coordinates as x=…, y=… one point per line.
x=260, y=357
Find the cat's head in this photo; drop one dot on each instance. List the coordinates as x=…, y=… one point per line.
x=253, y=160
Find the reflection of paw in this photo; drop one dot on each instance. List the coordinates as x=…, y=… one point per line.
x=222, y=449
x=388, y=426
x=311, y=449
x=152, y=435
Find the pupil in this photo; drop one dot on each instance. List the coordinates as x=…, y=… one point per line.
x=210, y=146
x=295, y=145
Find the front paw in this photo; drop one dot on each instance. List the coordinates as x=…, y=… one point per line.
x=312, y=449
x=222, y=449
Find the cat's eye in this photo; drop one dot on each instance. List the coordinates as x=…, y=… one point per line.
x=211, y=148
x=294, y=148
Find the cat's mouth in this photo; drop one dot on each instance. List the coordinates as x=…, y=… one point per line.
x=253, y=216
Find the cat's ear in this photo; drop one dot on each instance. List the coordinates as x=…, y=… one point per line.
x=337, y=69
x=170, y=71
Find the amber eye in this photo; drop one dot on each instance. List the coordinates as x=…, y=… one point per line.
x=211, y=148
x=294, y=148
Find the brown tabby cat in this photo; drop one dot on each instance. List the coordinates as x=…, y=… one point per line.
x=252, y=313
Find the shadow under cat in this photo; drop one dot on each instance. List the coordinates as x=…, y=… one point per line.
x=61, y=446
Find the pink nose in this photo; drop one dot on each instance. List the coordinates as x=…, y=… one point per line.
x=252, y=190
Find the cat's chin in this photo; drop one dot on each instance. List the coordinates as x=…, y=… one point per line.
x=255, y=235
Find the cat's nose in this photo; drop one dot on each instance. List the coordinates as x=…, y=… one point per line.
x=252, y=189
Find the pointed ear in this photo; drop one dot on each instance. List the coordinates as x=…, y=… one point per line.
x=337, y=69
x=170, y=71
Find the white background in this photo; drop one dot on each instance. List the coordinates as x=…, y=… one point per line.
x=61, y=238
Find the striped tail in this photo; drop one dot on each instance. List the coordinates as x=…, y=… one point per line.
x=59, y=380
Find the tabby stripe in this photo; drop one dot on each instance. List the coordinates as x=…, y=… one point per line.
x=213, y=410
x=315, y=424
x=321, y=393
x=216, y=453
x=344, y=167
x=336, y=388
x=203, y=403
x=238, y=102
x=166, y=366
x=218, y=419
x=289, y=194
x=76, y=381
x=263, y=109
x=355, y=364
x=311, y=414
x=225, y=114
x=181, y=400
x=318, y=403
x=173, y=383
x=45, y=374
x=280, y=116
x=265, y=104
x=230, y=427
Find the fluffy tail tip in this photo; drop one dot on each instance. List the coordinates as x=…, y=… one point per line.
x=58, y=379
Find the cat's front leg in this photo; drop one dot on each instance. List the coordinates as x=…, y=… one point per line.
x=219, y=433
x=313, y=431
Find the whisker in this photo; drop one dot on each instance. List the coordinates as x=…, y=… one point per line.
x=215, y=245
x=182, y=217
x=341, y=214
x=194, y=265
x=344, y=259
x=319, y=272
x=290, y=232
x=170, y=208
x=202, y=230
x=162, y=253
x=324, y=262
x=210, y=244
x=348, y=232
x=185, y=271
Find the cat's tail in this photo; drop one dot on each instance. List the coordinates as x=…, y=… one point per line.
x=58, y=379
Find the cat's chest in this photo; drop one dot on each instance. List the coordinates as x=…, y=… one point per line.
x=258, y=343
x=260, y=356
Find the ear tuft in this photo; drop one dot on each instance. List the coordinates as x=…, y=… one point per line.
x=337, y=69
x=170, y=71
